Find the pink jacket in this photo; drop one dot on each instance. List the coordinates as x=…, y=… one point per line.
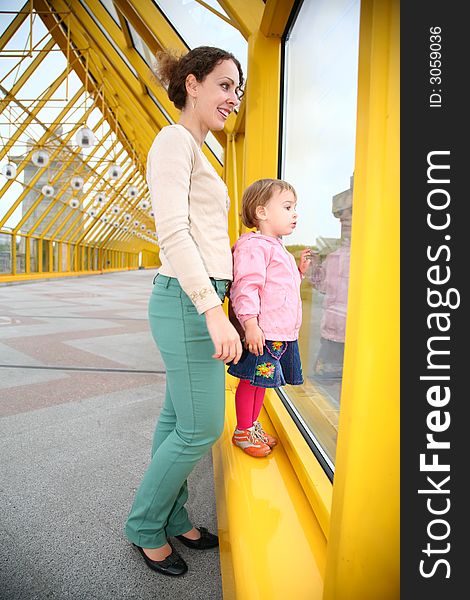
x=266, y=284
x=332, y=279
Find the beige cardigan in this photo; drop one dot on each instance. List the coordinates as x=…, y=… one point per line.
x=191, y=203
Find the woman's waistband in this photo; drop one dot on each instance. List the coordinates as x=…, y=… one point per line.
x=221, y=286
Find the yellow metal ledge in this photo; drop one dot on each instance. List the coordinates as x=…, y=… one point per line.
x=57, y=274
x=271, y=543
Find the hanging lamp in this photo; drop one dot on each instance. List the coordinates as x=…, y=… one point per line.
x=76, y=183
x=9, y=170
x=132, y=191
x=114, y=172
x=47, y=190
x=40, y=158
x=100, y=198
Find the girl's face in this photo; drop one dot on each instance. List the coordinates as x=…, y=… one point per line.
x=216, y=96
x=279, y=216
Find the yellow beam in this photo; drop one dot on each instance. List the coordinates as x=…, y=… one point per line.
x=31, y=114
x=60, y=148
x=90, y=174
x=126, y=10
x=129, y=102
x=28, y=72
x=246, y=15
x=14, y=25
x=275, y=16
x=157, y=25
x=364, y=551
x=100, y=179
x=60, y=191
x=262, y=108
x=107, y=22
x=27, y=158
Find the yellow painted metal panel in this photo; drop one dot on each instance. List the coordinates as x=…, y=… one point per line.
x=316, y=485
x=363, y=549
x=271, y=544
x=275, y=17
x=245, y=14
x=262, y=108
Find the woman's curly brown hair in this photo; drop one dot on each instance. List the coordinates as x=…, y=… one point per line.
x=172, y=69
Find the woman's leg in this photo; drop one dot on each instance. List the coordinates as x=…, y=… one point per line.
x=196, y=388
x=245, y=403
x=165, y=425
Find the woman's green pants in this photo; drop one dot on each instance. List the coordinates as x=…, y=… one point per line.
x=191, y=419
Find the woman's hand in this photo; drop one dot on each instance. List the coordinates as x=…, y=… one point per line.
x=224, y=336
x=254, y=337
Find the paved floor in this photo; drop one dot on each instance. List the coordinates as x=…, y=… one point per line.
x=81, y=385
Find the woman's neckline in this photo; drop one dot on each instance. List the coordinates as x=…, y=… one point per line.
x=195, y=140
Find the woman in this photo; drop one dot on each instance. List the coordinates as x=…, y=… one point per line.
x=188, y=323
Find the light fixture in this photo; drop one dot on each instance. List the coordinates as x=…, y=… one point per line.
x=105, y=218
x=114, y=171
x=76, y=183
x=92, y=212
x=144, y=204
x=116, y=224
x=115, y=209
x=100, y=198
x=47, y=190
x=132, y=191
x=74, y=203
x=127, y=217
x=9, y=170
x=125, y=228
x=152, y=214
x=142, y=227
x=40, y=158
x=136, y=223
x=149, y=232
x=85, y=138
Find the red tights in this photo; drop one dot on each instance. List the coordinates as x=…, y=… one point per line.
x=248, y=403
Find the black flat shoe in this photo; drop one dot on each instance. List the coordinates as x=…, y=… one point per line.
x=171, y=565
x=207, y=540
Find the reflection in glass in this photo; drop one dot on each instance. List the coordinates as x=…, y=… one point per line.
x=330, y=276
x=319, y=124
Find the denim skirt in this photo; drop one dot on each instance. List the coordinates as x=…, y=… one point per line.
x=279, y=364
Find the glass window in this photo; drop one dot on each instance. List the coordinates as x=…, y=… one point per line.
x=108, y=37
x=109, y=5
x=198, y=26
x=319, y=125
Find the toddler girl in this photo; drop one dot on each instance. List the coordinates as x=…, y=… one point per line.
x=265, y=297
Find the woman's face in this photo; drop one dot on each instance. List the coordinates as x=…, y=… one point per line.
x=216, y=96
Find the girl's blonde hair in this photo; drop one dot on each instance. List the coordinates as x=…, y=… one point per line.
x=259, y=193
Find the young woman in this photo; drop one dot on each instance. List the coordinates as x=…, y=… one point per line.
x=190, y=328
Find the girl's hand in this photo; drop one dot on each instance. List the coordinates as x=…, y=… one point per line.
x=305, y=257
x=254, y=337
x=224, y=336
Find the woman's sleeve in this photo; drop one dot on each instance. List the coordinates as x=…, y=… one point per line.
x=249, y=277
x=169, y=165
